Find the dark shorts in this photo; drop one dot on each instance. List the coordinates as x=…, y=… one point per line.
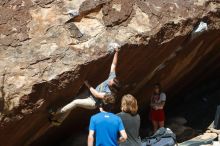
x=157, y=115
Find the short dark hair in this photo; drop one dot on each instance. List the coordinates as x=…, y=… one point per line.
x=158, y=85
x=108, y=102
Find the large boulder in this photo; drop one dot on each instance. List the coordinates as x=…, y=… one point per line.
x=46, y=54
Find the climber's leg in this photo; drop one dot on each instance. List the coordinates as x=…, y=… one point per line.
x=84, y=100
x=62, y=114
x=87, y=103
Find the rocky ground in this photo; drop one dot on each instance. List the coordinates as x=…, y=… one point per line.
x=46, y=54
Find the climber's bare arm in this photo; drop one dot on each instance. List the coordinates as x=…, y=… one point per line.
x=95, y=93
x=115, y=61
x=91, y=138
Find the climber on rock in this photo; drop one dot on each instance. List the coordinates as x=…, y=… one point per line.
x=92, y=98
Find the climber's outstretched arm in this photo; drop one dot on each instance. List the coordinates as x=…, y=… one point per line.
x=115, y=61
x=95, y=93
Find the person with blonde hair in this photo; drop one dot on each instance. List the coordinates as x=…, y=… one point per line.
x=131, y=120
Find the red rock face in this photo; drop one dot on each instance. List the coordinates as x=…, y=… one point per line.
x=45, y=56
x=14, y=18
x=117, y=11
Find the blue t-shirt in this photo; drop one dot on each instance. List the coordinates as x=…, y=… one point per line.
x=106, y=127
x=103, y=87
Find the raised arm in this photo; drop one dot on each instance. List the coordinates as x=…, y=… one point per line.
x=91, y=138
x=95, y=93
x=115, y=61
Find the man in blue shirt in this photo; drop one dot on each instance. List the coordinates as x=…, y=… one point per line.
x=92, y=99
x=106, y=127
